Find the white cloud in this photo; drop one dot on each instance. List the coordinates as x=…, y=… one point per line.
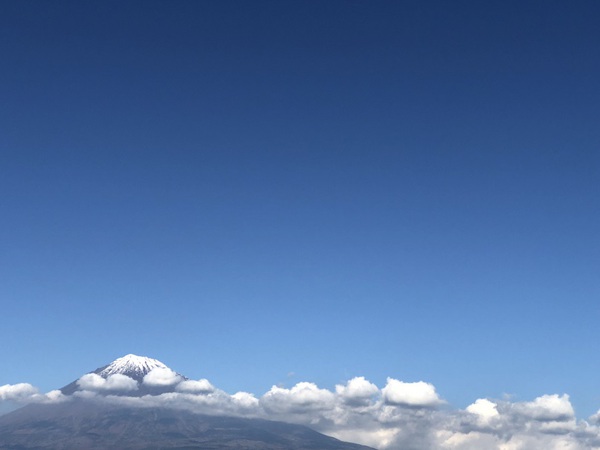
x=357, y=391
x=547, y=408
x=245, y=400
x=547, y=422
x=302, y=397
x=485, y=410
x=472, y=440
x=418, y=394
x=54, y=396
x=91, y=382
x=162, y=376
x=401, y=416
x=26, y=393
x=116, y=382
x=17, y=392
x=202, y=386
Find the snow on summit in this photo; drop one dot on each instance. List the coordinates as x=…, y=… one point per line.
x=133, y=366
x=136, y=375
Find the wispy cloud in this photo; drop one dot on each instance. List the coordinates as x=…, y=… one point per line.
x=401, y=415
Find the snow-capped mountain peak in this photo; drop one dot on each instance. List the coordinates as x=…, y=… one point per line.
x=133, y=366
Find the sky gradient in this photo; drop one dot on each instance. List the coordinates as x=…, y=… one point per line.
x=270, y=192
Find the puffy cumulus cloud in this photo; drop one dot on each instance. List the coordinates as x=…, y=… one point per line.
x=17, y=392
x=26, y=393
x=483, y=408
x=245, y=400
x=485, y=411
x=547, y=408
x=522, y=441
x=547, y=422
x=466, y=441
x=116, y=382
x=54, y=396
x=418, y=394
x=405, y=416
x=356, y=411
x=357, y=391
x=202, y=386
x=302, y=397
x=162, y=376
x=91, y=382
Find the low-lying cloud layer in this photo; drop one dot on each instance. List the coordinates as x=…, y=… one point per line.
x=401, y=415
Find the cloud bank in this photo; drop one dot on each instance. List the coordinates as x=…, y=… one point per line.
x=400, y=415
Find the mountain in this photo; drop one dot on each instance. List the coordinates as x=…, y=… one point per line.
x=132, y=366
x=89, y=423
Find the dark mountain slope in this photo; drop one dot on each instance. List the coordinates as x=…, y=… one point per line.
x=88, y=425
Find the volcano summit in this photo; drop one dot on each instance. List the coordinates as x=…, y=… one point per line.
x=131, y=375
x=133, y=366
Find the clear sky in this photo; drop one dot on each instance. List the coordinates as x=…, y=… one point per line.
x=272, y=191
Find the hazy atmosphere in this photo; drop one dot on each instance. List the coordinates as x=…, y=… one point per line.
x=362, y=216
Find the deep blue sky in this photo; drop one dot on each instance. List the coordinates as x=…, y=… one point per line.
x=248, y=189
